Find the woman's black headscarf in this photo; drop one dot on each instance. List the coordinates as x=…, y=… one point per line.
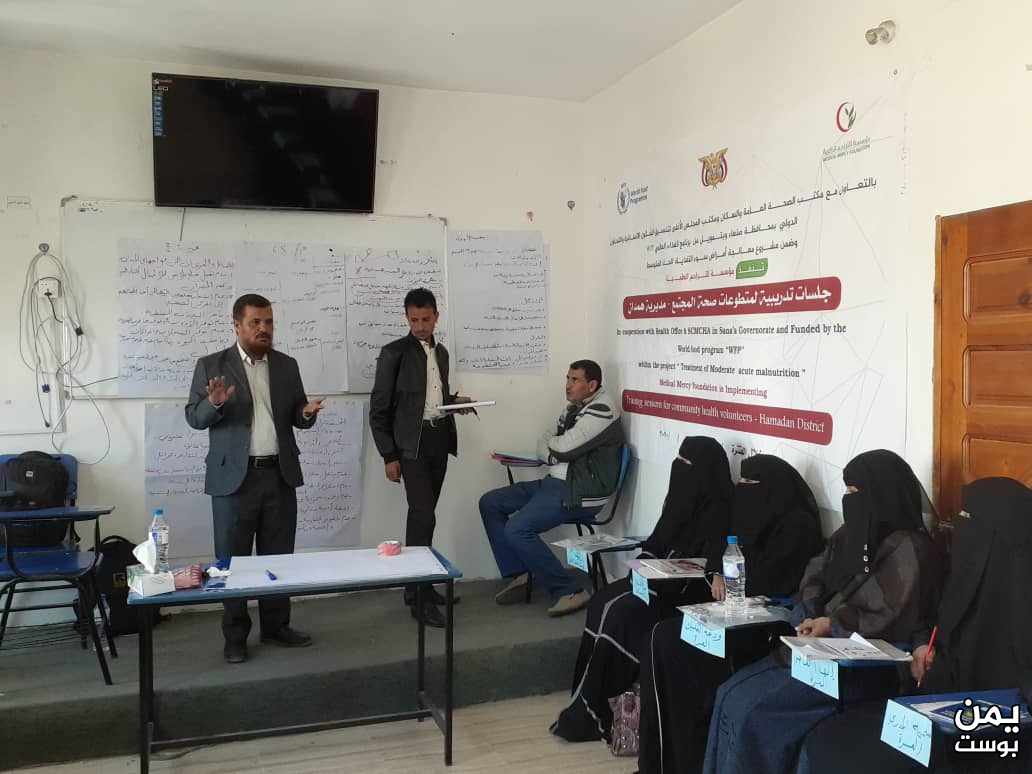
x=757, y=507
x=985, y=635
x=698, y=502
x=777, y=523
x=888, y=499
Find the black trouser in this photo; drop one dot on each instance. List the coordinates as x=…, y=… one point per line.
x=261, y=513
x=424, y=479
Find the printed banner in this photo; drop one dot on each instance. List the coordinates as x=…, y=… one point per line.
x=752, y=286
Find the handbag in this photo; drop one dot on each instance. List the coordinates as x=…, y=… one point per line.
x=623, y=741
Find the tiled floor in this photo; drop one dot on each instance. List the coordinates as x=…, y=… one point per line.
x=504, y=736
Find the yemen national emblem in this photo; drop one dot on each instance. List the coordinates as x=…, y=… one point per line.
x=714, y=168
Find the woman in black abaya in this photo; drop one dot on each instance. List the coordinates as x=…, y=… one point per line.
x=778, y=525
x=693, y=523
x=880, y=576
x=984, y=640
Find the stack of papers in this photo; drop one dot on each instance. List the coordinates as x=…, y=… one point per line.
x=592, y=543
x=460, y=406
x=656, y=569
x=855, y=648
x=513, y=460
x=718, y=615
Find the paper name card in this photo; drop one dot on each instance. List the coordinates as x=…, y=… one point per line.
x=697, y=633
x=577, y=558
x=640, y=586
x=821, y=674
x=908, y=731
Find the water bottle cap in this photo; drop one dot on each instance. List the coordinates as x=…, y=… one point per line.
x=159, y=511
x=732, y=540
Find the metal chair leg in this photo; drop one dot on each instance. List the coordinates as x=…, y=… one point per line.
x=85, y=596
x=598, y=572
x=80, y=626
x=7, y=609
x=102, y=607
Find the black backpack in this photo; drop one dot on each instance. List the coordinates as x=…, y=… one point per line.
x=116, y=554
x=36, y=480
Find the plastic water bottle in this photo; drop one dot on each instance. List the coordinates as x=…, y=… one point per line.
x=159, y=536
x=734, y=575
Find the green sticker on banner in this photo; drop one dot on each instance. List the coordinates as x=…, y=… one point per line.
x=708, y=639
x=817, y=673
x=750, y=269
x=577, y=558
x=908, y=731
x=640, y=587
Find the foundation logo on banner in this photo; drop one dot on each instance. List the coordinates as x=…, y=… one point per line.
x=714, y=168
x=845, y=116
x=626, y=196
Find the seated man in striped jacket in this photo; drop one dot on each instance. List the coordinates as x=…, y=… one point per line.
x=583, y=457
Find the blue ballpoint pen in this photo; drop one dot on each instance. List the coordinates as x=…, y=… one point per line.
x=270, y=575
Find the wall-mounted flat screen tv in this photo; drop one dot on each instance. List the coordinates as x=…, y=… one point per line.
x=226, y=142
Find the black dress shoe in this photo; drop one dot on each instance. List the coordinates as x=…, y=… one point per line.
x=433, y=595
x=288, y=638
x=235, y=652
x=437, y=597
x=429, y=615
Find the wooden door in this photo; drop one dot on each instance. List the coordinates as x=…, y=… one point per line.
x=983, y=353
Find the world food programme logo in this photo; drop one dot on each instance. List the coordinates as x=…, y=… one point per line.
x=626, y=196
x=623, y=198
x=845, y=116
x=714, y=168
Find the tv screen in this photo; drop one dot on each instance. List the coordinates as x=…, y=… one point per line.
x=225, y=142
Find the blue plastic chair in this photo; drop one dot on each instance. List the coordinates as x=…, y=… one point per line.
x=608, y=505
x=60, y=566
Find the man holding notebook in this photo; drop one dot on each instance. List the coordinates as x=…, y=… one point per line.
x=412, y=434
x=583, y=457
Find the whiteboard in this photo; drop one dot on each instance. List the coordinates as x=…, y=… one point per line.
x=337, y=281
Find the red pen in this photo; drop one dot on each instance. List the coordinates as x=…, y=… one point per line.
x=931, y=644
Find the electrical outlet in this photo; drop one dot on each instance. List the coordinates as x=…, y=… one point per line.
x=48, y=286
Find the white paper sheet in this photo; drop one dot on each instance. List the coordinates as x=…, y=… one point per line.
x=377, y=281
x=305, y=283
x=673, y=568
x=499, y=301
x=591, y=543
x=853, y=648
x=329, y=505
x=357, y=565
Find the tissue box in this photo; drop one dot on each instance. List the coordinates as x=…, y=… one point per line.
x=147, y=584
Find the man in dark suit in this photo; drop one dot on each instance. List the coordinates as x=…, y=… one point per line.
x=412, y=435
x=250, y=397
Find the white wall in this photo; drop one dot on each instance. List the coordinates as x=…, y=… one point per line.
x=81, y=125
x=968, y=111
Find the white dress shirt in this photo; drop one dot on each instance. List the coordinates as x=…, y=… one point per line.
x=263, y=429
x=434, y=390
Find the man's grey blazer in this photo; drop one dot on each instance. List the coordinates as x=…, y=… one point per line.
x=229, y=427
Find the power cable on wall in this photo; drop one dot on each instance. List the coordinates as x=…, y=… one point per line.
x=41, y=352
